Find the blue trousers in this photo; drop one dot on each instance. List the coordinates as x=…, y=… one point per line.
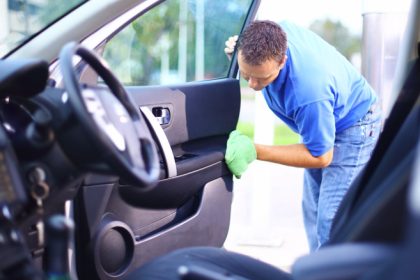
x=324, y=188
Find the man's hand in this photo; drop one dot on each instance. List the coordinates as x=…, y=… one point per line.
x=230, y=46
x=240, y=152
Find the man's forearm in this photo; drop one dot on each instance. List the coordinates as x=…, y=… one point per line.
x=293, y=155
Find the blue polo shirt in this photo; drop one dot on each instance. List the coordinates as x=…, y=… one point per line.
x=318, y=93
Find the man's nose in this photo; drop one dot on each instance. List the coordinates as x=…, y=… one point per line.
x=252, y=83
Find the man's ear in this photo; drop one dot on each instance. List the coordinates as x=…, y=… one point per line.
x=283, y=61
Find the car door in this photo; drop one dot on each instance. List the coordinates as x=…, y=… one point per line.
x=171, y=61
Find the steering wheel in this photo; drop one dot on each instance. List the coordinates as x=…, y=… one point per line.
x=111, y=119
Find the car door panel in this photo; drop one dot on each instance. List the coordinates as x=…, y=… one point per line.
x=213, y=105
x=124, y=237
x=198, y=152
x=189, y=208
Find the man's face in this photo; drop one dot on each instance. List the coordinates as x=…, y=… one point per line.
x=260, y=76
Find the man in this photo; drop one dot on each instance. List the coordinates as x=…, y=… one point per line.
x=312, y=88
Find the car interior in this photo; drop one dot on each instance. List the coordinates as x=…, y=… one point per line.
x=101, y=179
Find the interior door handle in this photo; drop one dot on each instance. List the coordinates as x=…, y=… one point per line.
x=162, y=141
x=162, y=115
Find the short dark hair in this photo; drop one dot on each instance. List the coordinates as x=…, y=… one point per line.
x=262, y=40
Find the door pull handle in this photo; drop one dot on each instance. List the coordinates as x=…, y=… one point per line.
x=162, y=115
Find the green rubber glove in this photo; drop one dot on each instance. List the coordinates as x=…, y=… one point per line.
x=240, y=152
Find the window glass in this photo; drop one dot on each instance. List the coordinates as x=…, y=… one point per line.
x=22, y=19
x=177, y=41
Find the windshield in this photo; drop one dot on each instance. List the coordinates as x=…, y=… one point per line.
x=20, y=20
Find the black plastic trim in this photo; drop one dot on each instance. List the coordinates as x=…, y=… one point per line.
x=173, y=192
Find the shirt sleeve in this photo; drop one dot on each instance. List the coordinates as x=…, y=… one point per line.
x=316, y=125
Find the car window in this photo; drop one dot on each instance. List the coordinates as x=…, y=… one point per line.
x=177, y=41
x=21, y=20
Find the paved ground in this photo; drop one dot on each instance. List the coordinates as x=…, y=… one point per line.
x=266, y=221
